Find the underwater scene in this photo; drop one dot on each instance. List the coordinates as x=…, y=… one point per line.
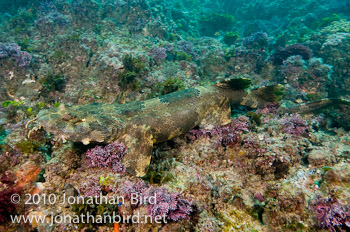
x=177, y=115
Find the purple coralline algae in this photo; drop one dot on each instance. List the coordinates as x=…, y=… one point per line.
x=133, y=188
x=109, y=156
x=294, y=124
x=331, y=214
x=257, y=40
x=54, y=18
x=228, y=135
x=158, y=54
x=91, y=189
x=12, y=50
x=186, y=46
x=293, y=68
x=7, y=208
x=168, y=205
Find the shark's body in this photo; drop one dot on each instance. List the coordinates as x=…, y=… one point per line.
x=139, y=125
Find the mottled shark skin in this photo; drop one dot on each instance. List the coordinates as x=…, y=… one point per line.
x=141, y=124
x=313, y=107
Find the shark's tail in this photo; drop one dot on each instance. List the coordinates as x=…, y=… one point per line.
x=313, y=107
x=239, y=94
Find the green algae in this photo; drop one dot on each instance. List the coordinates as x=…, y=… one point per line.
x=12, y=103
x=33, y=111
x=230, y=37
x=94, y=209
x=158, y=176
x=28, y=146
x=326, y=21
x=168, y=86
x=106, y=180
x=133, y=69
x=28, y=111
x=231, y=52
x=213, y=22
x=159, y=169
x=295, y=226
x=183, y=56
x=52, y=82
x=238, y=220
x=25, y=44
x=133, y=64
x=75, y=35
x=254, y=117
x=314, y=96
x=59, y=56
x=56, y=104
x=172, y=85
x=21, y=22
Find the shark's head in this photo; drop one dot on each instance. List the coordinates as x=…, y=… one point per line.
x=85, y=123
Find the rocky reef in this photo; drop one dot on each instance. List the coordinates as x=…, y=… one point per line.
x=262, y=171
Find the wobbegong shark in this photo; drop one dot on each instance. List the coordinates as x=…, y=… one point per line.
x=141, y=124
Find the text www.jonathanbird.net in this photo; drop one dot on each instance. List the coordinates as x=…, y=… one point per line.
x=87, y=218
